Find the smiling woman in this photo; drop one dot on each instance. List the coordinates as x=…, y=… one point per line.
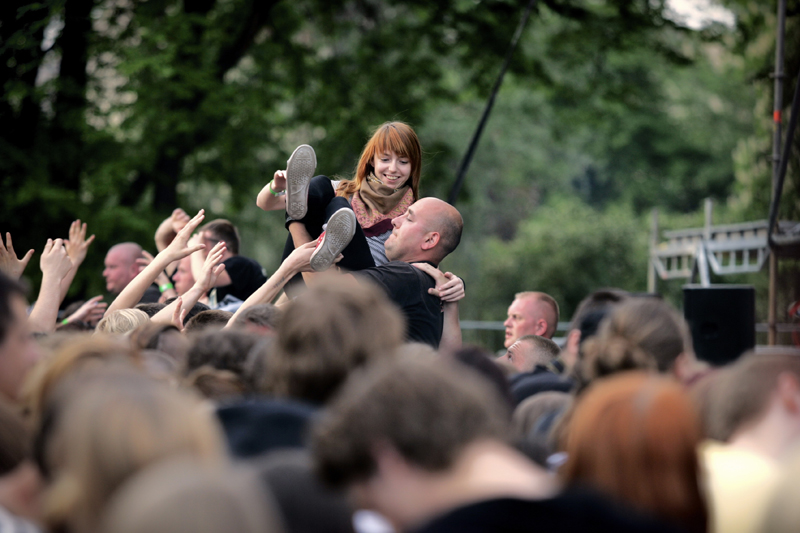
x=384, y=185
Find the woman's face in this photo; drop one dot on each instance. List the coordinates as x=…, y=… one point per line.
x=393, y=170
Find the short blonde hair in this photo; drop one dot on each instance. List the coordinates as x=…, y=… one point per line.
x=122, y=321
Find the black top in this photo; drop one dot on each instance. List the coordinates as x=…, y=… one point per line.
x=539, y=380
x=246, y=278
x=407, y=286
x=567, y=512
x=151, y=295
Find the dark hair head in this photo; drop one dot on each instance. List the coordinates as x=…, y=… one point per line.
x=223, y=230
x=262, y=315
x=211, y=319
x=151, y=308
x=196, y=308
x=223, y=350
x=400, y=404
x=598, y=301
x=325, y=334
x=481, y=361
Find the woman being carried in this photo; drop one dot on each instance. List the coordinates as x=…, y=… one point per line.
x=355, y=215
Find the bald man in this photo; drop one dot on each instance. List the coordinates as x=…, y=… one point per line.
x=424, y=235
x=121, y=268
x=531, y=313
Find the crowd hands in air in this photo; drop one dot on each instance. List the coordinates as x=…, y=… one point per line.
x=206, y=397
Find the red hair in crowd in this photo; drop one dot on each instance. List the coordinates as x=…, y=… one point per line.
x=634, y=437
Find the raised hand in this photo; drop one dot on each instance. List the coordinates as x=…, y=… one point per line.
x=77, y=245
x=212, y=268
x=91, y=311
x=449, y=287
x=54, y=261
x=10, y=265
x=179, y=219
x=179, y=247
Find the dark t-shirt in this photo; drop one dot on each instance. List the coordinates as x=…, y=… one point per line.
x=527, y=384
x=570, y=511
x=407, y=286
x=246, y=277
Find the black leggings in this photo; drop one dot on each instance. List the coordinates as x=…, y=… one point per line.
x=322, y=203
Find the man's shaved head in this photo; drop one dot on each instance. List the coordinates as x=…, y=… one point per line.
x=428, y=231
x=120, y=266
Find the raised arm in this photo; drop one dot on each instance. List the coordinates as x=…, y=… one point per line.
x=10, y=265
x=55, y=264
x=211, y=270
x=176, y=250
x=298, y=261
x=167, y=231
x=77, y=245
x=271, y=197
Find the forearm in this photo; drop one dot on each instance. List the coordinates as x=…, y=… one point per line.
x=451, y=330
x=66, y=282
x=134, y=291
x=268, y=291
x=189, y=299
x=267, y=201
x=45, y=312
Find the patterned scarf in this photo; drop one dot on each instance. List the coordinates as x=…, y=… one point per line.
x=376, y=204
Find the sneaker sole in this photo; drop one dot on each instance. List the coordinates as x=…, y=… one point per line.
x=299, y=170
x=338, y=234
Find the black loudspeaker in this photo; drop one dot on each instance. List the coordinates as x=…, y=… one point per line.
x=722, y=319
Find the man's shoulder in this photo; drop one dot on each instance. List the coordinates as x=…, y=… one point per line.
x=240, y=260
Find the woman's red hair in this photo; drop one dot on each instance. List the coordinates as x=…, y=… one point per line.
x=397, y=137
x=634, y=437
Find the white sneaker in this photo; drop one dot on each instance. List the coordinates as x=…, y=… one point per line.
x=299, y=171
x=338, y=234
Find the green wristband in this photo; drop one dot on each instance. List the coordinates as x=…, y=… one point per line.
x=272, y=191
x=165, y=287
x=65, y=321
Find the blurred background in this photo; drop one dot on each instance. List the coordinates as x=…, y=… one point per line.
x=118, y=111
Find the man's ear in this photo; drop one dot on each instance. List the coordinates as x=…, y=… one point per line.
x=431, y=240
x=541, y=327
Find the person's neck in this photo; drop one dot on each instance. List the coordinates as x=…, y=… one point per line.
x=771, y=436
x=485, y=470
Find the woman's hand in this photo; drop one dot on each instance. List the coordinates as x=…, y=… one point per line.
x=279, y=181
x=449, y=287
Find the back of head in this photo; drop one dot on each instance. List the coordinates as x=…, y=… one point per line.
x=109, y=425
x=481, y=361
x=212, y=319
x=151, y=308
x=634, y=436
x=222, y=350
x=122, y=321
x=743, y=390
x=542, y=349
x=326, y=333
x=194, y=311
x=601, y=301
x=398, y=404
x=223, y=230
x=640, y=333
x=260, y=317
x=73, y=356
x=181, y=496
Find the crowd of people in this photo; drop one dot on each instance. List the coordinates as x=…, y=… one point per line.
x=335, y=394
